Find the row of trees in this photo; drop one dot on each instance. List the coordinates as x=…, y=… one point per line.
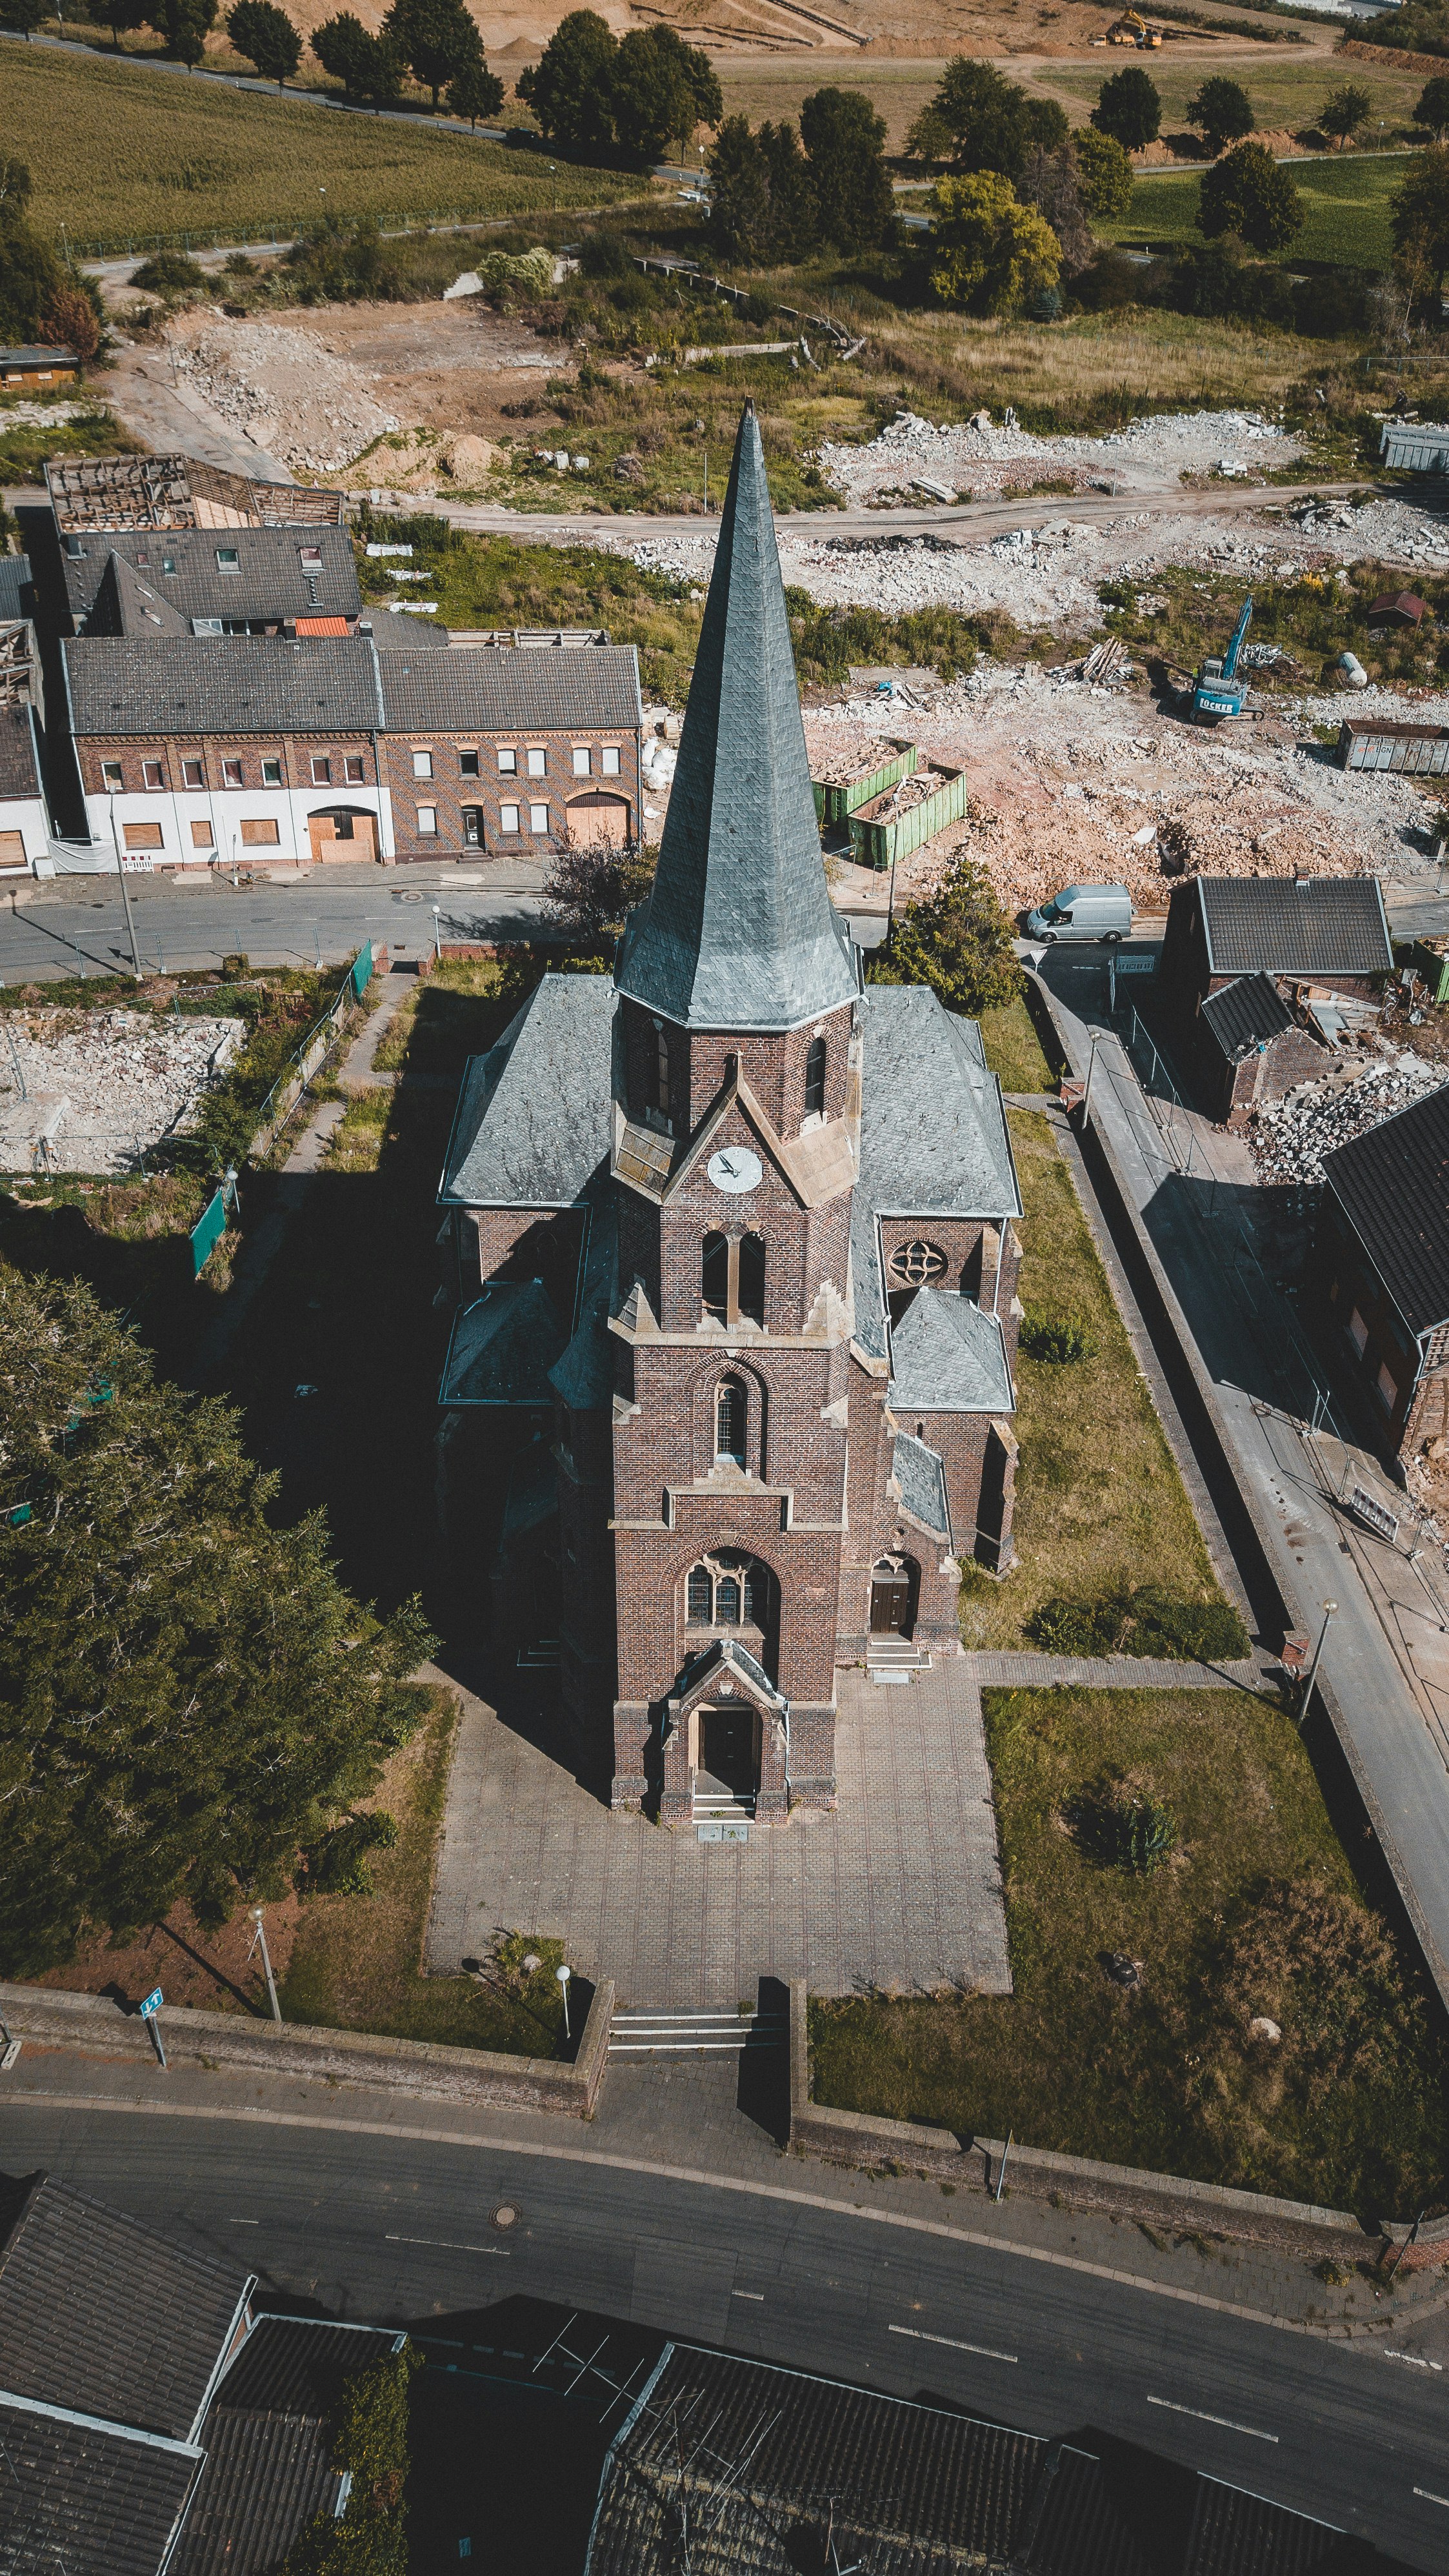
x=594, y=92
x=777, y=194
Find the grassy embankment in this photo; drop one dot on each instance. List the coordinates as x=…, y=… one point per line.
x=1345, y=213
x=118, y=152
x=1254, y=1915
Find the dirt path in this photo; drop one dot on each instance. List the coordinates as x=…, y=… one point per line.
x=168, y=415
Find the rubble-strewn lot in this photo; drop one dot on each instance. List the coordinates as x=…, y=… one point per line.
x=102, y=1088
x=284, y=388
x=1290, y=1138
x=983, y=457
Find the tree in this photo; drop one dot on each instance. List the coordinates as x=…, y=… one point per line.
x=190, y=1703
x=70, y=321
x=14, y=187
x=475, y=91
x=957, y=939
x=31, y=277
x=978, y=120
x=1106, y=175
x=436, y=38
x=592, y=885
x=568, y=88
x=1222, y=112
x=341, y=46
x=660, y=89
x=989, y=253
x=1129, y=109
x=762, y=205
x=370, y=2440
x=1050, y=182
x=267, y=37
x=1419, y=221
x=22, y=17
x=1345, y=111
x=121, y=16
x=1248, y=194
x=1433, y=106
x=844, y=143
x=185, y=25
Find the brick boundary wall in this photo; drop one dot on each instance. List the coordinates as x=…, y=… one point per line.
x=50, y=2018
x=861, y=2140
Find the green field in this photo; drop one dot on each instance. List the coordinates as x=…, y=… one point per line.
x=1345, y=211
x=120, y=151
x=1285, y=95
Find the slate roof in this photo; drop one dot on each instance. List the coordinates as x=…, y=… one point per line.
x=1325, y=926
x=584, y=1377
x=268, y=2467
x=1393, y=1186
x=933, y=1135
x=271, y=581
x=15, y=591
x=238, y=684
x=400, y=634
x=502, y=1347
x=947, y=1356
x=532, y=1126
x=85, y=2498
x=1245, y=1015
x=738, y=930
x=921, y=1476
x=19, y=759
x=101, y=2315
x=483, y=690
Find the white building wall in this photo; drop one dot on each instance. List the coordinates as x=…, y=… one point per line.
x=224, y=810
x=27, y=816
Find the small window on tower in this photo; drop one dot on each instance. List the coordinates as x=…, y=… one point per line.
x=815, y=1079
x=715, y=1277
x=752, y=1278
x=701, y=1596
x=729, y=1423
x=661, y=1070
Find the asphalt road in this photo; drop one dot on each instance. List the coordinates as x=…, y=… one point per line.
x=395, y=2228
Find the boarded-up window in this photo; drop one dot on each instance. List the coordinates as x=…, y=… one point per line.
x=12, y=849
x=202, y=836
x=144, y=836
x=1388, y=1389
x=1357, y=1331
x=260, y=834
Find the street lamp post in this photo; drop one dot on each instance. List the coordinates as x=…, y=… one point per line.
x=260, y=1937
x=1087, y=1093
x=1311, y=1676
x=437, y=936
x=563, y=1975
x=125, y=891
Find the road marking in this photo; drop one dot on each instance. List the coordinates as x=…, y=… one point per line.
x=407, y=2133
x=1430, y=2497
x=1413, y=2360
x=446, y=2245
x=1226, y=2421
x=748, y=2294
x=243, y=2222
x=982, y=2349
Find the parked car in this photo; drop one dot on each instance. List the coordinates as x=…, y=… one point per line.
x=1083, y=912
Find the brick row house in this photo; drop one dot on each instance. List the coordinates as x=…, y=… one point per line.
x=1252, y=976
x=729, y=1392
x=193, y=749
x=1379, y=1280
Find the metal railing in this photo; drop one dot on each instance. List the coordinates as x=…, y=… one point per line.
x=313, y=1052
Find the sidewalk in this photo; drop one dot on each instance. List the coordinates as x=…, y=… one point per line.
x=1384, y=1676
x=684, y=2119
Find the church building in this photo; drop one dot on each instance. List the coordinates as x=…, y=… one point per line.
x=735, y=1251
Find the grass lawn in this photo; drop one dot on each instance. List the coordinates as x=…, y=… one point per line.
x=1099, y=1502
x=117, y=149
x=1013, y=1049
x=24, y=447
x=1311, y=619
x=1286, y=95
x=1345, y=212
x=355, y=1962
x=1254, y=1914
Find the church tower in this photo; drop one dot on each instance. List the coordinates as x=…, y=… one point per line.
x=735, y=1148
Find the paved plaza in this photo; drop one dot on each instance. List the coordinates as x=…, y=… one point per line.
x=900, y=1888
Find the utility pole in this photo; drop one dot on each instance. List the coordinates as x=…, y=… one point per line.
x=14, y=1056
x=260, y=1935
x=125, y=891
x=1311, y=1676
x=1087, y=1094
x=437, y=936
x=563, y=1975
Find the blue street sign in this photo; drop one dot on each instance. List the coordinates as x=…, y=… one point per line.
x=152, y=2004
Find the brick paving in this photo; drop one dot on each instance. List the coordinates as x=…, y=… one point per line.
x=1108, y=1672
x=900, y=1888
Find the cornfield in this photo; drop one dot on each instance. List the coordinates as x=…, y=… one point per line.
x=123, y=153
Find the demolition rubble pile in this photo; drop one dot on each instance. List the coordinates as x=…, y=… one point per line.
x=982, y=457
x=92, y=1091
x=1290, y=1138
x=281, y=385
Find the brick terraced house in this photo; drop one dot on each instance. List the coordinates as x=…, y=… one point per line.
x=741, y=1235
x=197, y=749
x=1381, y=1269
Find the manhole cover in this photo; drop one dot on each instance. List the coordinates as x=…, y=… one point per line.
x=505, y=2215
x=407, y=898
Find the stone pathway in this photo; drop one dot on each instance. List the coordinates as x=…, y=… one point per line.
x=899, y=1888
x=1108, y=1672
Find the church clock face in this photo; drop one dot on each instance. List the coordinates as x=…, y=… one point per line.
x=735, y=1169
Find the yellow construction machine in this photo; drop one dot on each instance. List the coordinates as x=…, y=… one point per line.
x=1129, y=29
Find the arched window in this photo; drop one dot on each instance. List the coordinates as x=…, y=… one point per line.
x=815, y=1079
x=915, y=1265
x=715, y=1278
x=728, y=1590
x=752, y=1278
x=729, y=1421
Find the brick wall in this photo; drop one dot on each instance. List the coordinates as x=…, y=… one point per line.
x=295, y=753
x=451, y=794
x=702, y=1064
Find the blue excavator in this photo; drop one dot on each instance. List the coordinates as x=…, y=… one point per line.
x=1218, y=690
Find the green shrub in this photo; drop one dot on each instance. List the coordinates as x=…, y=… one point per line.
x=168, y=273
x=1057, y=1339
x=1122, y=1824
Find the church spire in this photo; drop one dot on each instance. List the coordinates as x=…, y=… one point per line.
x=739, y=931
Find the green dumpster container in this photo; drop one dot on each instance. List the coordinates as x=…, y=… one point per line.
x=837, y=799
x=886, y=829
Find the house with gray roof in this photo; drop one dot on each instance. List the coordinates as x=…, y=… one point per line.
x=729, y=1390
x=1248, y=968
x=211, y=581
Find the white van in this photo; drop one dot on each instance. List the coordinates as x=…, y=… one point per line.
x=1083, y=912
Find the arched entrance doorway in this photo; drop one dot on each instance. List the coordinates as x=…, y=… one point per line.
x=343, y=832
x=892, y=1597
x=598, y=817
